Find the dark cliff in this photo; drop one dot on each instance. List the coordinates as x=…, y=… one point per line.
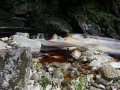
x=95, y=17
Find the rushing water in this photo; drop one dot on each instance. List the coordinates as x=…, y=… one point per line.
x=108, y=45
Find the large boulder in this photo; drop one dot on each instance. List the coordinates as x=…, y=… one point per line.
x=13, y=64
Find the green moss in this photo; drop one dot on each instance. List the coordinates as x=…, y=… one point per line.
x=23, y=62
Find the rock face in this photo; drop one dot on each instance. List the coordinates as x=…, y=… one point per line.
x=13, y=64
x=82, y=16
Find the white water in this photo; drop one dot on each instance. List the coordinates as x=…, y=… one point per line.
x=104, y=44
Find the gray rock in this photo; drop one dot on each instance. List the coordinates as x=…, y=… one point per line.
x=110, y=72
x=117, y=84
x=13, y=64
x=101, y=60
x=95, y=85
x=35, y=76
x=102, y=86
x=3, y=45
x=114, y=87
x=22, y=41
x=94, y=88
x=102, y=81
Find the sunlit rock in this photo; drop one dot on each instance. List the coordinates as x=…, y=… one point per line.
x=101, y=60
x=21, y=40
x=3, y=45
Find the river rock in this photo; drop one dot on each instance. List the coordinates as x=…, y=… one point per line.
x=110, y=72
x=13, y=64
x=23, y=41
x=101, y=60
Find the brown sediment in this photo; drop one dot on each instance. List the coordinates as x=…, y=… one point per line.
x=60, y=56
x=66, y=75
x=51, y=59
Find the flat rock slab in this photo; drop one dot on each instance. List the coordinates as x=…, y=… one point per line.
x=13, y=64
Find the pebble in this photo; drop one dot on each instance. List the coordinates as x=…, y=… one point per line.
x=48, y=87
x=98, y=76
x=90, y=77
x=50, y=69
x=76, y=54
x=94, y=88
x=102, y=86
x=95, y=85
x=35, y=76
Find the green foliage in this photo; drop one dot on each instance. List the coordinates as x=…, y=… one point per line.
x=36, y=65
x=44, y=81
x=80, y=85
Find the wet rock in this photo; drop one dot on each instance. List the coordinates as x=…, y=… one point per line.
x=109, y=72
x=13, y=64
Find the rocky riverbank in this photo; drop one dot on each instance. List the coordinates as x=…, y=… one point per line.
x=55, y=68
